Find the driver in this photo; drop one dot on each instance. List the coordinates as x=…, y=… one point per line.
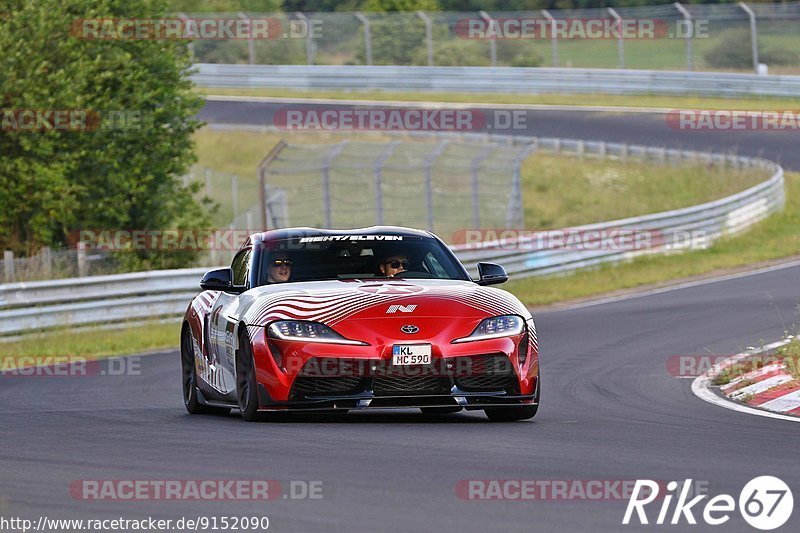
x=394, y=264
x=279, y=268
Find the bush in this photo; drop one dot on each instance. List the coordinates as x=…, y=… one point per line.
x=734, y=50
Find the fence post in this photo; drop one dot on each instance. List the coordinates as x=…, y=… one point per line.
x=8, y=266
x=428, y=36
x=753, y=34
x=378, y=173
x=251, y=44
x=476, y=199
x=429, y=160
x=326, y=182
x=190, y=46
x=262, y=176
x=689, y=35
x=367, y=36
x=515, y=202
x=83, y=271
x=620, y=41
x=492, y=42
x=208, y=182
x=47, y=261
x=309, y=38
x=553, y=38
x=235, y=197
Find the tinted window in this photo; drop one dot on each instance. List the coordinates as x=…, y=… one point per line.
x=350, y=257
x=241, y=268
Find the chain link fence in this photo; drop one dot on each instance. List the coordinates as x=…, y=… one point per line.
x=443, y=185
x=686, y=37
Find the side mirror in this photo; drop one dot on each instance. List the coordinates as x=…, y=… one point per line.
x=491, y=274
x=217, y=280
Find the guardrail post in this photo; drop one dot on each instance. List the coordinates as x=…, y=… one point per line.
x=623, y=154
x=476, y=199
x=83, y=270
x=553, y=39
x=620, y=41
x=492, y=42
x=753, y=34
x=251, y=44
x=8, y=266
x=428, y=36
x=367, y=36
x=309, y=39
x=581, y=149
x=326, y=182
x=689, y=34
x=46, y=259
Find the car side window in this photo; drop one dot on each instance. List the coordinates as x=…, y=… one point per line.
x=241, y=268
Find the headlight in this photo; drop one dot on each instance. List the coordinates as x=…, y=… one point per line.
x=301, y=330
x=495, y=327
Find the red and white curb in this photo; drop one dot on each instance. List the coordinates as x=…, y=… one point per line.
x=770, y=391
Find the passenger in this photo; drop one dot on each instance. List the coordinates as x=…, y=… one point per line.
x=280, y=268
x=394, y=264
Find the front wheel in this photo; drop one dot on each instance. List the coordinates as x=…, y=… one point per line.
x=246, y=387
x=189, y=381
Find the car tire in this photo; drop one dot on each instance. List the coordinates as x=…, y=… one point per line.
x=523, y=412
x=246, y=386
x=189, y=380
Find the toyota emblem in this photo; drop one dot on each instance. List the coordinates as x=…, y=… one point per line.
x=409, y=328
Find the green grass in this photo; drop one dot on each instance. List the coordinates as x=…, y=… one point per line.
x=774, y=238
x=96, y=343
x=666, y=102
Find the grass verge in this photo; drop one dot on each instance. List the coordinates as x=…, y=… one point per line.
x=96, y=342
x=615, y=100
x=774, y=238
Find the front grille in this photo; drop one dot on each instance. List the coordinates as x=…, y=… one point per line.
x=305, y=386
x=490, y=372
x=389, y=385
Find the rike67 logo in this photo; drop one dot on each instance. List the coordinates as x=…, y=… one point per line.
x=765, y=503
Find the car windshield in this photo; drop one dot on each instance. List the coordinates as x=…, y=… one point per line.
x=314, y=258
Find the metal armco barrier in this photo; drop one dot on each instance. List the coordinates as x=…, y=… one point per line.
x=493, y=80
x=146, y=295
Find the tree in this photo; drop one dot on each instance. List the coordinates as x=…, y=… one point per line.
x=116, y=176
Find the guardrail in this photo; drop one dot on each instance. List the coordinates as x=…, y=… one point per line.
x=147, y=295
x=493, y=80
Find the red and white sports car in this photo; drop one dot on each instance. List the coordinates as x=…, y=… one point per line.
x=333, y=320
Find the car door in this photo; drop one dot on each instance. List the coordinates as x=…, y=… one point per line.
x=222, y=326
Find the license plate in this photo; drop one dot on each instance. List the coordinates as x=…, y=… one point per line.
x=411, y=354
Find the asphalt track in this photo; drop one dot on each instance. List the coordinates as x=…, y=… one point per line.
x=611, y=411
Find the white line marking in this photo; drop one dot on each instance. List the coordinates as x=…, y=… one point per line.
x=785, y=403
x=761, y=386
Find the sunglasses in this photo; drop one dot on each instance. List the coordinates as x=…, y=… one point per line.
x=394, y=263
x=280, y=262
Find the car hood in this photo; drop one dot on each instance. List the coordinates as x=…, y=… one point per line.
x=331, y=302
